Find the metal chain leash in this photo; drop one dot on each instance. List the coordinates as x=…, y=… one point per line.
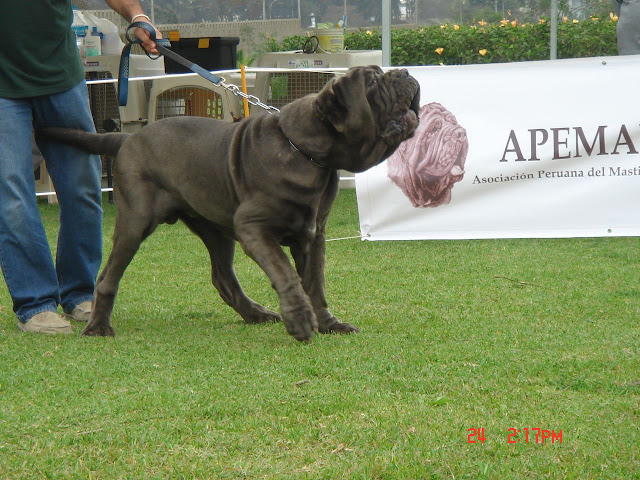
x=252, y=99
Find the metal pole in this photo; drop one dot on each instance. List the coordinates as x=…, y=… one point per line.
x=264, y=9
x=345, y=15
x=153, y=13
x=386, y=33
x=553, y=47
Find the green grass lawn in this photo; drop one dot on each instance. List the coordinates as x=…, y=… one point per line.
x=491, y=334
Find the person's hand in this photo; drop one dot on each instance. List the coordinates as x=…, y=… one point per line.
x=148, y=44
x=142, y=35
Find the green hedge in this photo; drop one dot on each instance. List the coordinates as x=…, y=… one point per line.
x=482, y=43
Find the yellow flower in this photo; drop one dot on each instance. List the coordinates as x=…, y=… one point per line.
x=439, y=50
x=442, y=27
x=482, y=52
x=576, y=21
x=594, y=18
x=456, y=27
x=542, y=21
x=369, y=32
x=504, y=22
x=565, y=19
x=514, y=23
x=613, y=16
x=482, y=23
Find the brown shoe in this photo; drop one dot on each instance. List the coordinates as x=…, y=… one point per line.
x=81, y=313
x=49, y=323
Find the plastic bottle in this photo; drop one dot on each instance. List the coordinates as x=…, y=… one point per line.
x=80, y=28
x=111, y=43
x=93, y=43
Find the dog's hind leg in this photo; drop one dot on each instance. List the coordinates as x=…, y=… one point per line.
x=221, y=251
x=128, y=235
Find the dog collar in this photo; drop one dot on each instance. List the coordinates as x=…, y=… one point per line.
x=321, y=165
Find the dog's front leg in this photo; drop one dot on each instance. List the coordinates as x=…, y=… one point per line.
x=263, y=247
x=309, y=258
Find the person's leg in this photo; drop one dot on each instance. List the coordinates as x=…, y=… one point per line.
x=25, y=255
x=76, y=176
x=629, y=28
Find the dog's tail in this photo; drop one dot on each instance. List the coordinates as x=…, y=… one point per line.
x=99, y=143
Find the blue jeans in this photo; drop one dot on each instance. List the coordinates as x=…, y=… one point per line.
x=34, y=283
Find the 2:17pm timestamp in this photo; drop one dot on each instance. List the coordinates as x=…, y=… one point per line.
x=527, y=435
x=515, y=435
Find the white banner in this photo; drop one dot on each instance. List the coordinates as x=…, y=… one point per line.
x=520, y=150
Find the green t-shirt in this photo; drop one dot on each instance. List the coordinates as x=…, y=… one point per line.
x=38, y=53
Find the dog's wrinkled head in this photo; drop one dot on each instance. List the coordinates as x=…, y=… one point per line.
x=369, y=106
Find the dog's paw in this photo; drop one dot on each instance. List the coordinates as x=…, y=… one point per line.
x=260, y=314
x=301, y=324
x=98, y=330
x=333, y=325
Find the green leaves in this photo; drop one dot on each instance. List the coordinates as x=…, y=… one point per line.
x=480, y=42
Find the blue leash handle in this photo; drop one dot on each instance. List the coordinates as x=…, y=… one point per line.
x=164, y=48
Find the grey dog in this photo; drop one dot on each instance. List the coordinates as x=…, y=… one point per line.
x=267, y=181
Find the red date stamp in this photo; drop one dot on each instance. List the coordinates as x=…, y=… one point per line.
x=515, y=435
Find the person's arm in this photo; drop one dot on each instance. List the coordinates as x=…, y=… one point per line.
x=132, y=10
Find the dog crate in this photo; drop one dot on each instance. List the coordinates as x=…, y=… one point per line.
x=189, y=101
x=192, y=96
x=281, y=88
x=103, y=96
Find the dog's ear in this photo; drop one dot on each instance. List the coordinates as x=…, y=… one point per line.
x=327, y=104
x=344, y=103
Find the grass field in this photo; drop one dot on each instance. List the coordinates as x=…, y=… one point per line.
x=492, y=335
